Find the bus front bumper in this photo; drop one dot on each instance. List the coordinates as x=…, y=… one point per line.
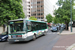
x=17, y=40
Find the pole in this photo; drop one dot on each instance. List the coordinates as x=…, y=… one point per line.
x=71, y=16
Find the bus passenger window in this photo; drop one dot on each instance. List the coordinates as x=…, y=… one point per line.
x=28, y=27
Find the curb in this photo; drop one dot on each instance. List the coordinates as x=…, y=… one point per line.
x=71, y=47
x=65, y=33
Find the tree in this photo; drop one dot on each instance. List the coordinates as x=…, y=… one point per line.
x=73, y=10
x=10, y=10
x=56, y=20
x=49, y=18
x=63, y=12
x=32, y=18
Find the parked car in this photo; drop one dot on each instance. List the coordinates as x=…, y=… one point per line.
x=4, y=36
x=54, y=28
x=57, y=27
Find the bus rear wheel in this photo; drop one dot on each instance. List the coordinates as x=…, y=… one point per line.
x=45, y=33
x=34, y=37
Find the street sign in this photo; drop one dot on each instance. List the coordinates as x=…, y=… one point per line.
x=73, y=7
x=70, y=22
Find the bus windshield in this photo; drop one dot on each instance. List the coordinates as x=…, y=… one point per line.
x=16, y=27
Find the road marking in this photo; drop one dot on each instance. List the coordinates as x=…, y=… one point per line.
x=72, y=47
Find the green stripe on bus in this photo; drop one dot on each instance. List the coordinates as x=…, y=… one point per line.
x=34, y=31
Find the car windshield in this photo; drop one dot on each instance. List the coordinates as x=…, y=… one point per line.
x=53, y=27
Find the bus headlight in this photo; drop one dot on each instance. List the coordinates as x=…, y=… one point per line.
x=24, y=36
x=9, y=36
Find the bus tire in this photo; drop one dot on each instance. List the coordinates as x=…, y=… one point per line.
x=45, y=33
x=34, y=37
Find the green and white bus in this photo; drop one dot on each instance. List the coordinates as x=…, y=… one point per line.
x=25, y=30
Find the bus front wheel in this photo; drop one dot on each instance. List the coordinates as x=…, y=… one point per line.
x=11, y=42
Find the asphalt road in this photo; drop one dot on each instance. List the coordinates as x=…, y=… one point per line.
x=41, y=43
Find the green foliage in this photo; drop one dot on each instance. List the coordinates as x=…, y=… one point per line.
x=73, y=14
x=73, y=10
x=63, y=12
x=56, y=20
x=32, y=18
x=49, y=18
x=10, y=10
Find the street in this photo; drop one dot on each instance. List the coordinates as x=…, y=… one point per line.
x=41, y=43
x=23, y=21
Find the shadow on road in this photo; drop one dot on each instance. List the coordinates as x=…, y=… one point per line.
x=25, y=42
x=3, y=41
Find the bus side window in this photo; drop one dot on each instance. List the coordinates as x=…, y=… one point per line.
x=33, y=26
x=28, y=27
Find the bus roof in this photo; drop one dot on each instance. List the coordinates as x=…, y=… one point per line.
x=16, y=20
x=36, y=21
x=27, y=20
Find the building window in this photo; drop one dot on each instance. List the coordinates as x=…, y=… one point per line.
x=38, y=17
x=28, y=15
x=29, y=5
x=42, y=20
x=38, y=14
x=38, y=2
x=38, y=10
x=28, y=2
x=29, y=8
x=34, y=14
x=29, y=12
x=42, y=6
x=38, y=6
x=41, y=13
x=42, y=17
x=42, y=9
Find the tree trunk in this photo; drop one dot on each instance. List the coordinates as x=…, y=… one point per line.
x=4, y=27
x=66, y=26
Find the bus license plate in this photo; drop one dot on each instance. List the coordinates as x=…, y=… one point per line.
x=14, y=36
x=16, y=40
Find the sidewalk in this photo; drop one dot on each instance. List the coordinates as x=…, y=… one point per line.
x=68, y=32
x=66, y=41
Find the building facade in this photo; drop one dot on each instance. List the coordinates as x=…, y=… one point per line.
x=40, y=8
x=37, y=8
x=26, y=7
